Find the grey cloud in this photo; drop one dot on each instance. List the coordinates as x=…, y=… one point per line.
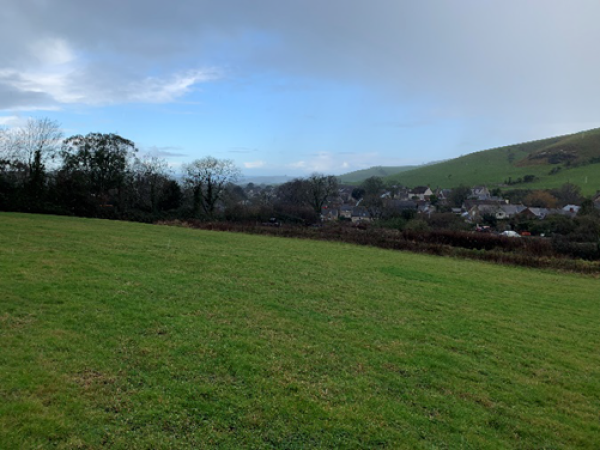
x=508, y=60
x=12, y=98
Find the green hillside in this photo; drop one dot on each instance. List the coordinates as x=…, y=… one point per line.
x=573, y=158
x=130, y=336
x=378, y=171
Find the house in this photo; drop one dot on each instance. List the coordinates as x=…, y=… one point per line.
x=402, y=194
x=402, y=205
x=360, y=214
x=329, y=213
x=420, y=193
x=469, y=204
x=571, y=210
x=443, y=194
x=537, y=213
x=512, y=210
x=477, y=212
x=480, y=193
x=426, y=208
x=345, y=194
x=345, y=211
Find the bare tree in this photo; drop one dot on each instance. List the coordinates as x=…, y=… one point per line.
x=312, y=191
x=150, y=176
x=320, y=188
x=33, y=144
x=207, y=178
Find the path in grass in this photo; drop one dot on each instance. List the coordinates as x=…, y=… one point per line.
x=121, y=335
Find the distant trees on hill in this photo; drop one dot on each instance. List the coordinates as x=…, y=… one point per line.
x=99, y=175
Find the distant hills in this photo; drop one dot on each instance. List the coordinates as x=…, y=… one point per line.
x=266, y=180
x=542, y=164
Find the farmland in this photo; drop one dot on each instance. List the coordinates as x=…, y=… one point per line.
x=123, y=335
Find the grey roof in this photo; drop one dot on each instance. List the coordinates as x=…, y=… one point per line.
x=420, y=189
x=360, y=211
x=511, y=210
x=403, y=204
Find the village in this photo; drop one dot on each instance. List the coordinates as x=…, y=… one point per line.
x=481, y=208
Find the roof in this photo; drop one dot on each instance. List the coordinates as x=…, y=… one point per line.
x=360, y=211
x=403, y=204
x=572, y=208
x=511, y=210
x=420, y=189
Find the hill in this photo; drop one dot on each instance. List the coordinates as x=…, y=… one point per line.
x=264, y=180
x=378, y=171
x=573, y=158
x=123, y=335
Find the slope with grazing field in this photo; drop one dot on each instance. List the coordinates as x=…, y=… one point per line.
x=122, y=335
x=573, y=158
x=379, y=171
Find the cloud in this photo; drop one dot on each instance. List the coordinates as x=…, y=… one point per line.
x=13, y=121
x=162, y=90
x=504, y=61
x=52, y=51
x=16, y=95
x=94, y=86
x=254, y=164
x=164, y=152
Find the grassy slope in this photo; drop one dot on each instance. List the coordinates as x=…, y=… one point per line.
x=492, y=167
x=379, y=171
x=130, y=336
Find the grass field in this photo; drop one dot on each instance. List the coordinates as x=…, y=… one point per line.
x=359, y=176
x=496, y=166
x=128, y=336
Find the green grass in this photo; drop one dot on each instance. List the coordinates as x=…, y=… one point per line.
x=495, y=166
x=129, y=336
x=359, y=176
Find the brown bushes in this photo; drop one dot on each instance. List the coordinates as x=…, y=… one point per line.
x=528, y=252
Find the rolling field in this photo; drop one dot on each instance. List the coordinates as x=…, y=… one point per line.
x=129, y=336
x=358, y=176
x=495, y=166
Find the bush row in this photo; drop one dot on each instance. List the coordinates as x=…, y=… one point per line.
x=537, y=253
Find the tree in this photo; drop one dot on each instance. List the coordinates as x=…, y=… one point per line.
x=207, y=178
x=101, y=161
x=294, y=192
x=150, y=177
x=568, y=193
x=33, y=144
x=29, y=149
x=358, y=193
x=540, y=199
x=373, y=186
x=312, y=191
x=171, y=197
x=320, y=187
x=458, y=195
x=588, y=208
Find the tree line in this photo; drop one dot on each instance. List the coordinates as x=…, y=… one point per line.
x=104, y=175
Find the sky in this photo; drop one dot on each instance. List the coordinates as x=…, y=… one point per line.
x=292, y=87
